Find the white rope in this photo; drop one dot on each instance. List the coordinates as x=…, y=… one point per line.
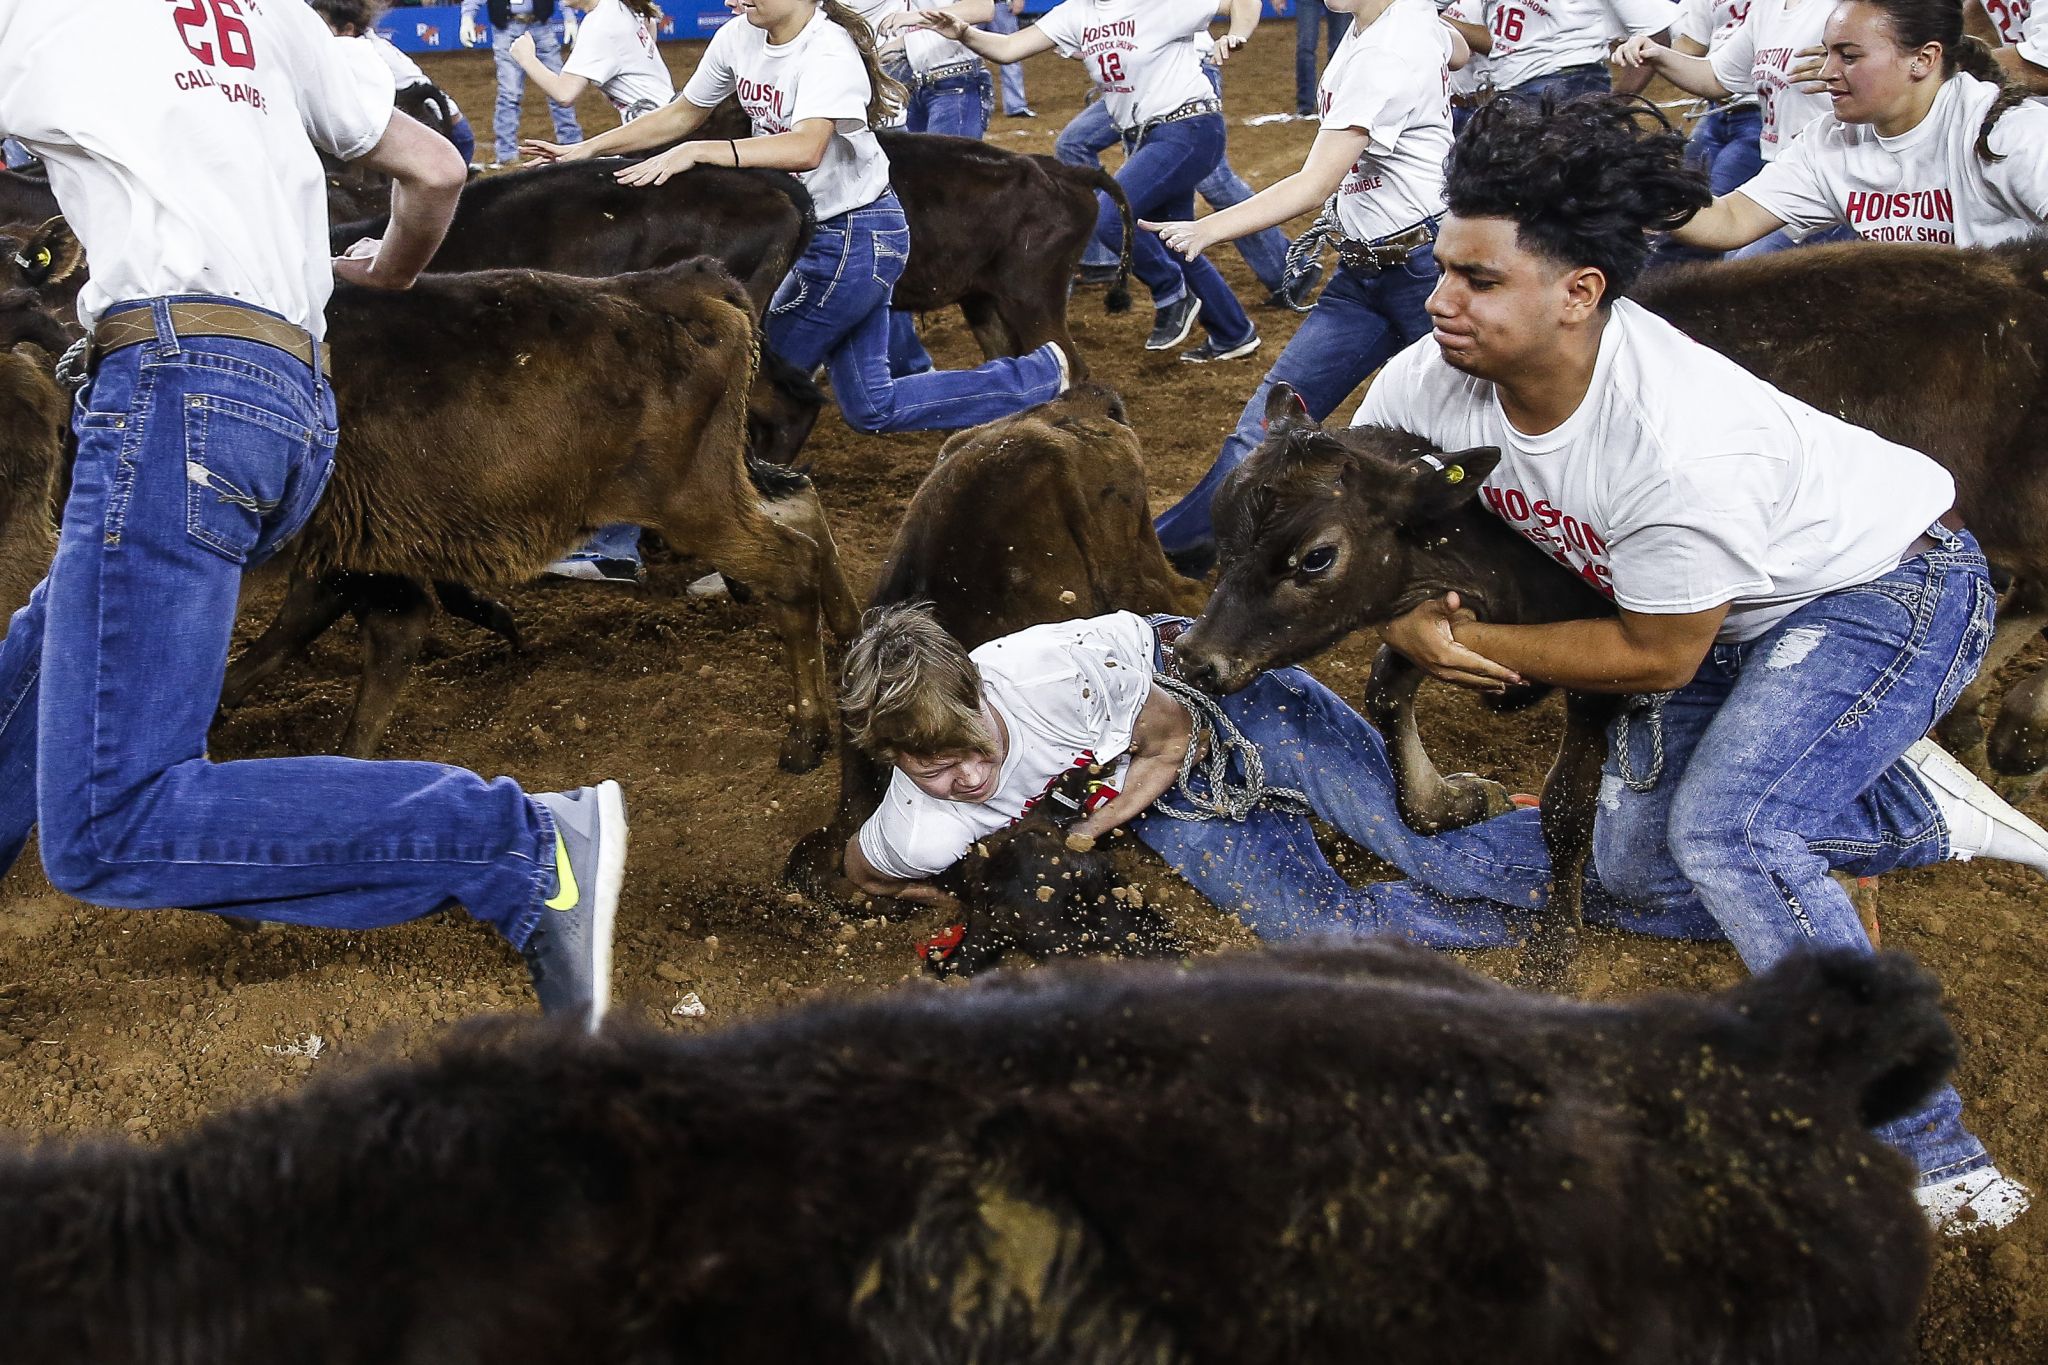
x=1226, y=800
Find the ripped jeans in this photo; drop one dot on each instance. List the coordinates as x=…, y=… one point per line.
x=1780, y=758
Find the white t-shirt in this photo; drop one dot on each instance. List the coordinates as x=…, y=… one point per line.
x=1754, y=59
x=405, y=72
x=2010, y=17
x=615, y=52
x=1682, y=481
x=927, y=51
x=2033, y=39
x=1392, y=79
x=1069, y=694
x=1710, y=23
x=1477, y=73
x=1141, y=54
x=1925, y=185
x=178, y=146
x=1534, y=38
x=817, y=74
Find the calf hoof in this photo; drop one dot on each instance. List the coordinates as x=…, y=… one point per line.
x=813, y=865
x=2019, y=790
x=1962, y=734
x=1475, y=798
x=803, y=750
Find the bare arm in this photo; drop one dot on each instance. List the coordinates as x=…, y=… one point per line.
x=427, y=176
x=800, y=149
x=1004, y=49
x=2021, y=71
x=1477, y=36
x=672, y=122
x=966, y=11
x=1330, y=158
x=1244, y=18
x=559, y=86
x=1632, y=80
x=1646, y=55
x=1733, y=220
x=862, y=874
x=1159, y=742
x=1461, y=50
x=1632, y=652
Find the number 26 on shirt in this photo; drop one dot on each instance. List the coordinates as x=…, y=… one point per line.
x=215, y=26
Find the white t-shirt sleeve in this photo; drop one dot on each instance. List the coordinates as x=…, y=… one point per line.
x=834, y=88
x=344, y=90
x=1063, y=24
x=1734, y=60
x=1632, y=17
x=912, y=837
x=714, y=78
x=1368, y=98
x=2021, y=135
x=2033, y=43
x=603, y=45
x=1084, y=682
x=1794, y=188
x=1390, y=400
x=1695, y=20
x=1702, y=538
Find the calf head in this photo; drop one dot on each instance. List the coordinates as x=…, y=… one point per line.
x=1319, y=533
x=41, y=271
x=1025, y=890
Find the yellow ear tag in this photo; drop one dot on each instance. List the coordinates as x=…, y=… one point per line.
x=43, y=256
x=1455, y=474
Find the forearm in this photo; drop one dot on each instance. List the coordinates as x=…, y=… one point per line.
x=1276, y=204
x=556, y=85
x=2021, y=71
x=1145, y=781
x=1477, y=36
x=669, y=124
x=1006, y=49
x=870, y=882
x=1586, y=656
x=1244, y=18
x=1731, y=221
x=1693, y=75
x=971, y=11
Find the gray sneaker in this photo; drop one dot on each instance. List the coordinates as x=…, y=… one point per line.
x=570, y=953
x=1172, y=324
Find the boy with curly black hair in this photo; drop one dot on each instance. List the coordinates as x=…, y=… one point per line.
x=1800, y=589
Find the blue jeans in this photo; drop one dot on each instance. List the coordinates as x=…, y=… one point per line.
x=547, y=45
x=13, y=154
x=957, y=106
x=1477, y=887
x=1591, y=79
x=1781, y=759
x=1311, y=20
x=833, y=310
x=1724, y=143
x=196, y=458
x=1090, y=133
x=1012, y=74
x=464, y=137
x=1358, y=324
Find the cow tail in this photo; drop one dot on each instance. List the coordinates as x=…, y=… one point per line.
x=1119, y=298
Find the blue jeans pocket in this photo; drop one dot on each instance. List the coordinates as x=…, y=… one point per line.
x=242, y=464
x=892, y=254
x=1962, y=670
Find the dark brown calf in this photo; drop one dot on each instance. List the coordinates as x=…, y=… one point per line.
x=630, y=407
x=42, y=268
x=32, y=415
x=1302, y=1158
x=26, y=198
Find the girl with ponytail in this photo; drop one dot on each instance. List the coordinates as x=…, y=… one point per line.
x=614, y=51
x=808, y=76
x=1926, y=142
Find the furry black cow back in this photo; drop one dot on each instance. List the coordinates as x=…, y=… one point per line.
x=1302, y=1158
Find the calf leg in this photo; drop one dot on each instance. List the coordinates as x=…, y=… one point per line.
x=1570, y=797
x=990, y=328
x=781, y=547
x=392, y=614
x=467, y=604
x=1430, y=803
x=1031, y=322
x=2018, y=747
x=311, y=605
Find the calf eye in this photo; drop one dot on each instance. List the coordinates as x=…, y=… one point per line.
x=1319, y=559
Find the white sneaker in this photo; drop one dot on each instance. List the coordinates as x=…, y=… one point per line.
x=710, y=585
x=1979, y=1201
x=1059, y=355
x=1981, y=823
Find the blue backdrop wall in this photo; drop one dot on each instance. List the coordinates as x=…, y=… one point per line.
x=436, y=28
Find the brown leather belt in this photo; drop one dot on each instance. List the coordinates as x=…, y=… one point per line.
x=1952, y=519
x=133, y=326
x=1370, y=258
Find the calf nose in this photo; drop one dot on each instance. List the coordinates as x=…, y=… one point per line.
x=1202, y=669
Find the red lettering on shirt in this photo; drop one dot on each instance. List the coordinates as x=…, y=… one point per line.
x=763, y=103
x=1904, y=216
x=1563, y=536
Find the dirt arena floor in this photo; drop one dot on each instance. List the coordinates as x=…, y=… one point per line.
x=144, y=1023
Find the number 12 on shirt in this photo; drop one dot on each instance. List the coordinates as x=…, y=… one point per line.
x=1111, y=65
x=230, y=35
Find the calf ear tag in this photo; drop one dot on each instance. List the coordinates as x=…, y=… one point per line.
x=1454, y=473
